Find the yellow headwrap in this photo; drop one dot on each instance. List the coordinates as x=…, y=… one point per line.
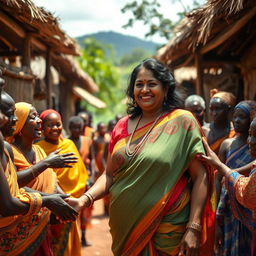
x=22, y=112
x=228, y=97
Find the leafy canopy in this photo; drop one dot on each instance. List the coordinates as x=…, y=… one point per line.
x=96, y=61
x=149, y=13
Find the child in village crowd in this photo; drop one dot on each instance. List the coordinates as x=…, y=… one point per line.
x=84, y=146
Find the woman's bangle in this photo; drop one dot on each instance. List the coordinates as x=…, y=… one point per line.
x=195, y=226
x=91, y=200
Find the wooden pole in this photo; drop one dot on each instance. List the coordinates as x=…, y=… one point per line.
x=26, y=55
x=199, y=76
x=48, y=78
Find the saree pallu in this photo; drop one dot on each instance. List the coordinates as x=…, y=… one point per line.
x=22, y=234
x=45, y=182
x=150, y=195
x=72, y=181
x=237, y=238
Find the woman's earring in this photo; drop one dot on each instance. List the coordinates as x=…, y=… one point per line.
x=134, y=103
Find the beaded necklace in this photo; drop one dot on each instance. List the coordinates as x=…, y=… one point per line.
x=128, y=151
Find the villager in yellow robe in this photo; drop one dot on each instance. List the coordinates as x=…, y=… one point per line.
x=72, y=181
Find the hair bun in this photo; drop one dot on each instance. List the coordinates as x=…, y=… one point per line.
x=213, y=92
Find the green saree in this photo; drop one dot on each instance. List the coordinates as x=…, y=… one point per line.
x=150, y=195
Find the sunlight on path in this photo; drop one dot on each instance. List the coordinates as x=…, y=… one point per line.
x=98, y=235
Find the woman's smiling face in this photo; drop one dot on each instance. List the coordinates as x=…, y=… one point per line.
x=148, y=91
x=32, y=128
x=52, y=127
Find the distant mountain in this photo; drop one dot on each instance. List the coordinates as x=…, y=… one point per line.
x=121, y=43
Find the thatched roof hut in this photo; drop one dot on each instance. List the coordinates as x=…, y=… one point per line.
x=218, y=36
x=28, y=31
x=24, y=19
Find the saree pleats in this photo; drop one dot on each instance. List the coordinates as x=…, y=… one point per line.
x=150, y=196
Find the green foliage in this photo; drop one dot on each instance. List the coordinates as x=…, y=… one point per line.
x=135, y=56
x=99, y=66
x=148, y=13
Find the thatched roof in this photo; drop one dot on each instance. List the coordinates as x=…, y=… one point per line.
x=225, y=25
x=21, y=18
x=43, y=26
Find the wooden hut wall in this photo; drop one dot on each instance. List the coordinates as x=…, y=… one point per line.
x=248, y=69
x=20, y=89
x=66, y=103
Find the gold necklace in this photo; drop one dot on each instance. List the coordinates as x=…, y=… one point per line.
x=130, y=153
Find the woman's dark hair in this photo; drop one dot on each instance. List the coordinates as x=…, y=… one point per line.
x=172, y=101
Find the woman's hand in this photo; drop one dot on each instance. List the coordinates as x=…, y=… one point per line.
x=211, y=158
x=78, y=203
x=190, y=243
x=59, y=207
x=54, y=160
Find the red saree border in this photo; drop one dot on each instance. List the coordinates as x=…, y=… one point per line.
x=142, y=234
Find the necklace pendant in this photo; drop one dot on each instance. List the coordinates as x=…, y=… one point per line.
x=136, y=148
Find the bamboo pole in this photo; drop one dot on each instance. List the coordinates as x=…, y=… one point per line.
x=199, y=76
x=48, y=78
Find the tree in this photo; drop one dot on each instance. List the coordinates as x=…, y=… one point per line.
x=96, y=61
x=135, y=56
x=148, y=12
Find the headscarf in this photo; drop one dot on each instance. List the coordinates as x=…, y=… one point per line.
x=228, y=97
x=22, y=110
x=192, y=98
x=47, y=112
x=247, y=106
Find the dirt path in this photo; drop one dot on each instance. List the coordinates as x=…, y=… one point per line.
x=98, y=235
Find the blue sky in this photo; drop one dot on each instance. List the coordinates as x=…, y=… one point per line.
x=79, y=17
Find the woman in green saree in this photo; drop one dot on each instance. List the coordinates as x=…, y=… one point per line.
x=158, y=189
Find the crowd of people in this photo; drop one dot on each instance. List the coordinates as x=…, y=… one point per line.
x=172, y=183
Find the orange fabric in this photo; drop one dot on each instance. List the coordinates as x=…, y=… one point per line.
x=216, y=145
x=99, y=156
x=88, y=132
x=72, y=180
x=18, y=233
x=22, y=111
x=84, y=150
x=228, y=97
x=46, y=181
x=245, y=189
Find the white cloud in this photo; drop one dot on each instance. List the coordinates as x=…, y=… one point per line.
x=79, y=17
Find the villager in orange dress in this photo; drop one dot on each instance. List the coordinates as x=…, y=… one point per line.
x=84, y=145
x=72, y=180
x=99, y=147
